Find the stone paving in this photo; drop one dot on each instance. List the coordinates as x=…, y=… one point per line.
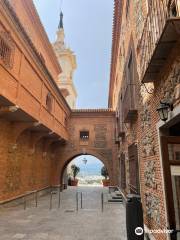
x=89, y=223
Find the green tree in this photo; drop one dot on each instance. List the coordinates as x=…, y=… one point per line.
x=75, y=170
x=104, y=172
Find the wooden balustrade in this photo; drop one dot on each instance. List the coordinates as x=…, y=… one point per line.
x=160, y=12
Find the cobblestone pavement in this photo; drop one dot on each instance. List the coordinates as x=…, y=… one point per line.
x=65, y=223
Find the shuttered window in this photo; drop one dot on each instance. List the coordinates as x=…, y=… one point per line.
x=49, y=101
x=7, y=47
x=133, y=168
x=122, y=171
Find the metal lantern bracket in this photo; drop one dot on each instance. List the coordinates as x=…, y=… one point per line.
x=163, y=110
x=168, y=104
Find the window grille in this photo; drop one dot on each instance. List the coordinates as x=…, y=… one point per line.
x=6, y=49
x=84, y=135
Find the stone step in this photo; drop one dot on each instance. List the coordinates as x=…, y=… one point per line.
x=115, y=200
x=116, y=197
x=113, y=197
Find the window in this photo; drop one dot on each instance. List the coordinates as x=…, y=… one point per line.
x=173, y=9
x=127, y=7
x=130, y=70
x=133, y=168
x=84, y=135
x=42, y=58
x=177, y=156
x=122, y=172
x=6, y=49
x=49, y=102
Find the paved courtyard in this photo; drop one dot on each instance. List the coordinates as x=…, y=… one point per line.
x=89, y=223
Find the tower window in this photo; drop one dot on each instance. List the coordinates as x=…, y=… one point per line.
x=84, y=135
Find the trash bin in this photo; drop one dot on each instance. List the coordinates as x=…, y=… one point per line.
x=134, y=218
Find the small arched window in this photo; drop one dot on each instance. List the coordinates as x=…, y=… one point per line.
x=49, y=101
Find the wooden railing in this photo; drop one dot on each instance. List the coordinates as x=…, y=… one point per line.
x=129, y=103
x=159, y=12
x=133, y=189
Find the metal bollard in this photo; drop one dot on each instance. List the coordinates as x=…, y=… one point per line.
x=50, y=207
x=36, y=198
x=59, y=200
x=77, y=204
x=102, y=202
x=24, y=202
x=81, y=200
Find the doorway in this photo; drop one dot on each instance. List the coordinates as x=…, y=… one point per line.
x=170, y=146
x=133, y=169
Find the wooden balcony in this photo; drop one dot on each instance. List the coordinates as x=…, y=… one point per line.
x=129, y=103
x=161, y=32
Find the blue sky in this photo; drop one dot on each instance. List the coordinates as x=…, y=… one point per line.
x=88, y=30
x=90, y=162
x=92, y=167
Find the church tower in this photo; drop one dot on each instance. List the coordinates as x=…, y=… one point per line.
x=67, y=61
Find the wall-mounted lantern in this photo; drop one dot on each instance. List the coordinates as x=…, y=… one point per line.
x=163, y=110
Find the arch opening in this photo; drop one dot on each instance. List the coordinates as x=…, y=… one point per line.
x=89, y=174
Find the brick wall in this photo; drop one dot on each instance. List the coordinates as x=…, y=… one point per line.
x=101, y=126
x=28, y=16
x=21, y=169
x=143, y=130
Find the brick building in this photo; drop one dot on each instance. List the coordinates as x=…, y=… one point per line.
x=40, y=133
x=33, y=111
x=145, y=71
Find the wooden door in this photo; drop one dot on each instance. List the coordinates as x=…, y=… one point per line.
x=123, y=171
x=170, y=147
x=133, y=168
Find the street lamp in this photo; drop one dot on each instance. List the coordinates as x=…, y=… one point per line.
x=84, y=161
x=163, y=110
